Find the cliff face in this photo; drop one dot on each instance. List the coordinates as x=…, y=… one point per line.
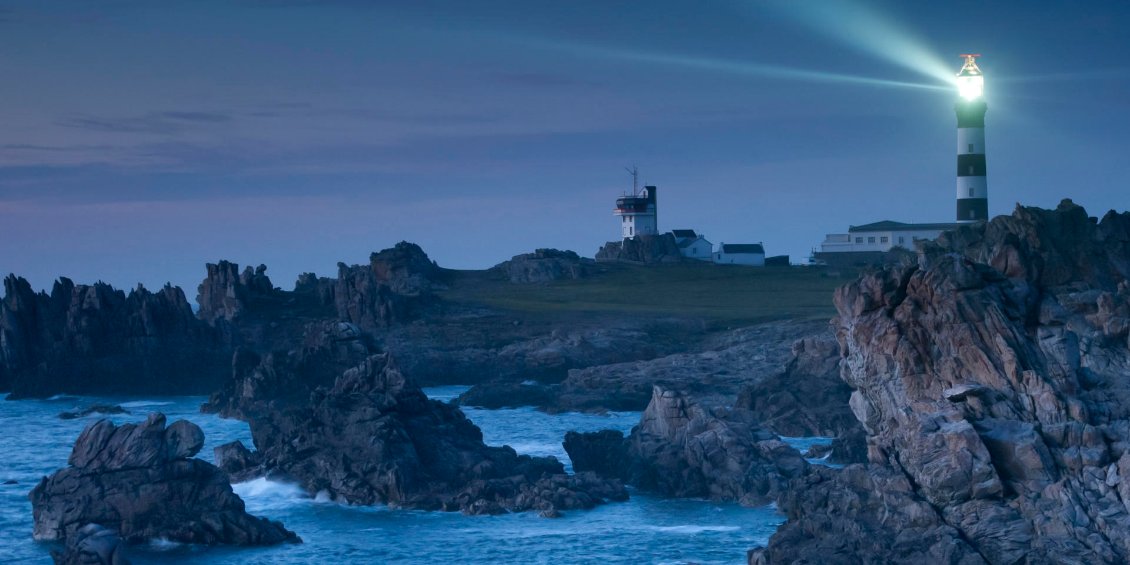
x=94, y=339
x=994, y=377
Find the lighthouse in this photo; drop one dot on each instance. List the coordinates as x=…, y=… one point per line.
x=972, y=188
x=638, y=215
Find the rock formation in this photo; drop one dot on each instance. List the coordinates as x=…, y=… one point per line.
x=93, y=339
x=545, y=265
x=394, y=284
x=807, y=398
x=92, y=544
x=682, y=448
x=642, y=249
x=374, y=437
x=141, y=481
x=991, y=381
x=281, y=378
x=225, y=293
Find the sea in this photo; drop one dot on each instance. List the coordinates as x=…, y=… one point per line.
x=35, y=442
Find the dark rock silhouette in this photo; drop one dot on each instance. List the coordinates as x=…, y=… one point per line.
x=545, y=265
x=225, y=293
x=141, y=481
x=991, y=381
x=261, y=383
x=93, y=409
x=87, y=339
x=374, y=437
x=92, y=544
x=682, y=448
x=642, y=249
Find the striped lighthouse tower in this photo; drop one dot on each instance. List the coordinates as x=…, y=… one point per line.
x=972, y=188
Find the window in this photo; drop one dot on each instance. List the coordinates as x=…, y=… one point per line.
x=884, y=239
x=859, y=240
x=629, y=231
x=871, y=240
x=970, y=147
x=971, y=192
x=902, y=240
x=970, y=170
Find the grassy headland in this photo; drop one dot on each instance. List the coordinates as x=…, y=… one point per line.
x=721, y=295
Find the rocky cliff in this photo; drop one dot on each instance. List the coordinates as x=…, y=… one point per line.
x=88, y=339
x=991, y=379
x=141, y=481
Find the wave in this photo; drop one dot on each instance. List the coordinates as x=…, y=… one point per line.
x=144, y=403
x=691, y=529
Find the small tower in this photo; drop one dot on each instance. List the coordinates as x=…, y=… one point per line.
x=638, y=215
x=972, y=187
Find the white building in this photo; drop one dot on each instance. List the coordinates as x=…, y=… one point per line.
x=693, y=245
x=638, y=213
x=740, y=254
x=882, y=236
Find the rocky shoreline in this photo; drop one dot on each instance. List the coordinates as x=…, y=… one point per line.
x=976, y=396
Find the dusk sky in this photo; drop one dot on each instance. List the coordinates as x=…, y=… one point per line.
x=140, y=140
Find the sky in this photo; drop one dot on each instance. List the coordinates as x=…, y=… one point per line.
x=140, y=140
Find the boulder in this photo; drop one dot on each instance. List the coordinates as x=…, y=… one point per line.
x=141, y=481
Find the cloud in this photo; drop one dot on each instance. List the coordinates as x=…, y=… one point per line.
x=156, y=123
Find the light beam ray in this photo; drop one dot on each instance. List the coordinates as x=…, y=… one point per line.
x=727, y=66
x=861, y=28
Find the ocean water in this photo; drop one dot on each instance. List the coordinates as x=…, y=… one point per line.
x=646, y=529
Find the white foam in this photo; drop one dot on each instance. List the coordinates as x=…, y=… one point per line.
x=692, y=529
x=162, y=544
x=144, y=403
x=262, y=490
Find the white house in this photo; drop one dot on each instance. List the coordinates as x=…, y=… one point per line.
x=693, y=245
x=740, y=254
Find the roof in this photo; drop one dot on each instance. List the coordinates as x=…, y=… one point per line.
x=888, y=225
x=691, y=241
x=743, y=248
x=679, y=234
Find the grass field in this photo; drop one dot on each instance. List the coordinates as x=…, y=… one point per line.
x=715, y=293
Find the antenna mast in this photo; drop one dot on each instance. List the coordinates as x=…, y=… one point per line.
x=635, y=179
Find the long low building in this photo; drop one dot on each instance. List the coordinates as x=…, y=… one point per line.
x=882, y=236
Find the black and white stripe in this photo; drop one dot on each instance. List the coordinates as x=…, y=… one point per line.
x=972, y=187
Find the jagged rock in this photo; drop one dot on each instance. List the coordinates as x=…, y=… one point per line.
x=140, y=480
x=94, y=339
x=225, y=292
x=280, y=378
x=991, y=381
x=642, y=249
x=92, y=544
x=681, y=448
x=807, y=398
x=730, y=362
x=374, y=437
x=237, y=461
x=545, y=265
x=93, y=409
x=405, y=268
x=856, y=515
